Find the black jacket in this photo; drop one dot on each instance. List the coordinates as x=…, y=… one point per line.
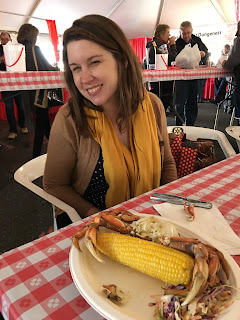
x=194, y=40
x=234, y=59
x=172, y=51
x=2, y=64
x=43, y=64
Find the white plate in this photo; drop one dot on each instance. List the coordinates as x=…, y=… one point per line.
x=89, y=275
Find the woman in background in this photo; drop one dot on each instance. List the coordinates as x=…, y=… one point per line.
x=162, y=37
x=109, y=143
x=35, y=61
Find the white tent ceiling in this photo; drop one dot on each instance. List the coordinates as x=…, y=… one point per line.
x=137, y=18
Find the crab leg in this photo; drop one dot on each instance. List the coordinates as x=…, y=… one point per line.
x=200, y=273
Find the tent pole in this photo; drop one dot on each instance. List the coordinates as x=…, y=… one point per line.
x=22, y=15
x=114, y=8
x=160, y=9
x=35, y=5
x=219, y=10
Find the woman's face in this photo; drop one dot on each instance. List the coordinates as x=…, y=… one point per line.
x=165, y=36
x=94, y=70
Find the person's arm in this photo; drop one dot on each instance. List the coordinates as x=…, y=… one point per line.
x=61, y=164
x=169, y=171
x=203, y=51
x=234, y=57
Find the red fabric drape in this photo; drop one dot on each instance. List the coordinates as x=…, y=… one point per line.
x=139, y=47
x=208, y=92
x=237, y=9
x=3, y=110
x=53, y=36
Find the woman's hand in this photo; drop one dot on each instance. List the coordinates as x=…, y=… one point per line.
x=202, y=53
x=91, y=211
x=171, y=41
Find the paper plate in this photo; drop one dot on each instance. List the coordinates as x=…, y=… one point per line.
x=89, y=275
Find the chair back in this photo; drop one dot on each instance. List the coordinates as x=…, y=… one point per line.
x=33, y=170
x=194, y=133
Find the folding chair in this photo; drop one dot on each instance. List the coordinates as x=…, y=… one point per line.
x=227, y=100
x=31, y=171
x=194, y=133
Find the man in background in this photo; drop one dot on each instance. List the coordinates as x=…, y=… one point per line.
x=187, y=90
x=9, y=96
x=221, y=83
x=234, y=62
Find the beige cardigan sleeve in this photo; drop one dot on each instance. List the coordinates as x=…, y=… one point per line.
x=169, y=171
x=61, y=177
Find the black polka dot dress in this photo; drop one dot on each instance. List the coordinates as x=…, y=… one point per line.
x=98, y=186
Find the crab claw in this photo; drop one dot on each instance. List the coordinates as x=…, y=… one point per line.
x=127, y=216
x=90, y=241
x=78, y=235
x=112, y=222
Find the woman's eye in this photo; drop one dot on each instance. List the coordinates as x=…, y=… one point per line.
x=95, y=62
x=76, y=69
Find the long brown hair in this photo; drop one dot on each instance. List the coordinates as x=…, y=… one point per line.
x=130, y=91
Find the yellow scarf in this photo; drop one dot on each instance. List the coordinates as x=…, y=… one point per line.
x=129, y=173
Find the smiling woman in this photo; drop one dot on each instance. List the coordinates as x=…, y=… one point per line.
x=109, y=143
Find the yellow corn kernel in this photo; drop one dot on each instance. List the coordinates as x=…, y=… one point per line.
x=156, y=260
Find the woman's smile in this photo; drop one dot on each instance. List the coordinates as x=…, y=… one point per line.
x=94, y=91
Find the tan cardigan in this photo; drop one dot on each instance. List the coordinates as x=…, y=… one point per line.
x=71, y=159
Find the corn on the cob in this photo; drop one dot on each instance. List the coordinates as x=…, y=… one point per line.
x=156, y=260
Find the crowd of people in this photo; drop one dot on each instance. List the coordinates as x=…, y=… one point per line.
x=109, y=142
x=188, y=93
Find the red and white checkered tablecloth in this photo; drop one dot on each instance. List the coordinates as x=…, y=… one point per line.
x=185, y=74
x=30, y=80
x=35, y=281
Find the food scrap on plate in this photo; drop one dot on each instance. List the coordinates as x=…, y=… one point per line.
x=113, y=293
x=189, y=210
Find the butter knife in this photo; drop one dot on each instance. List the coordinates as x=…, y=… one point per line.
x=174, y=199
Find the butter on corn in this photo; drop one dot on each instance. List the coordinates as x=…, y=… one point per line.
x=153, y=259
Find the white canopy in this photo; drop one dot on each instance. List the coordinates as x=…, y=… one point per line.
x=138, y=18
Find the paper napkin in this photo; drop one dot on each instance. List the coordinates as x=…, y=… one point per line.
x=207, y=221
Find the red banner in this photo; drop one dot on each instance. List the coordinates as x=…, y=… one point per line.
x=53, y=36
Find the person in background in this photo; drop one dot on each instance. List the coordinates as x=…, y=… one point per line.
x=221, y=83
x=187, y=90
x=27, y=35
x=233, y=61
x=162, y=37
x=109, y=142
x=10, y=96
